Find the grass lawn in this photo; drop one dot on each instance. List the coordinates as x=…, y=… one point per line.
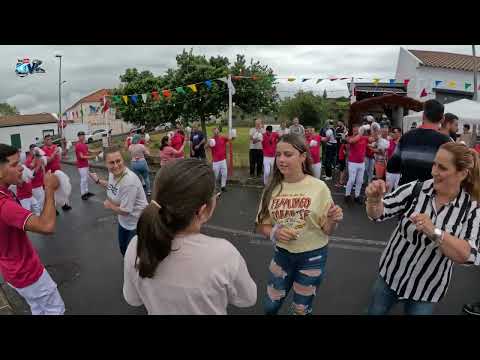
x=240, y=146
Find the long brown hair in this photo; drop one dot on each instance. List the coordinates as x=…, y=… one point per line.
x=180, y=189
x=298, y=142
x=465, y=158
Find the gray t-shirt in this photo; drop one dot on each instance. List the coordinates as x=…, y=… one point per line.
x=297, y=130
x=127, y=192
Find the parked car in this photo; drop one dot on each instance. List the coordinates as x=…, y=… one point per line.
x=164, y=127
x=97, y=135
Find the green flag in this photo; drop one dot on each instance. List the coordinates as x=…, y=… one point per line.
x=467, y=85
x=180, y=90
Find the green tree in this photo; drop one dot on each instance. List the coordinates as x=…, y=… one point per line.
x=7, y=109
x=312, y=110
x=251, y=95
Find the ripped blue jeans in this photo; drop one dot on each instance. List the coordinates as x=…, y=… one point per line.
x=302, y=271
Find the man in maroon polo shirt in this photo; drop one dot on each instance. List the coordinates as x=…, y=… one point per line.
x=20, y=264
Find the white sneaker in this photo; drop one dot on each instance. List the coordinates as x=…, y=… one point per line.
x=327, y=178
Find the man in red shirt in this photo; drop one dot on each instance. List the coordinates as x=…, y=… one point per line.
x=20, y=264
x=356, y=163
x=83, y=154
x=269, y=144
x=178, y=139
x=314, y=143
x=34, y=163
x=53, y=154
x=219, y=157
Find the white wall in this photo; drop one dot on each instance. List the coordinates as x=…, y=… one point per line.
x=28, y=133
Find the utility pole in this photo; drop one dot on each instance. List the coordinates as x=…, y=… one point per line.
x=59, y=56
x=230, y=168
x=475, y=83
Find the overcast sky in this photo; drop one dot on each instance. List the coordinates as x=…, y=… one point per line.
x=89, y=68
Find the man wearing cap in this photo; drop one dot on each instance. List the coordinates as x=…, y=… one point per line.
x=83, y=154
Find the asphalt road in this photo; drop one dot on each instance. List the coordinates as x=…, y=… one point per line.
x=84, y=259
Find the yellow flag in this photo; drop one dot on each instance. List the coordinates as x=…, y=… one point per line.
x=452, y=84
x=376, y=81
x=290, y=79
x=193, y=87
x=125, y=99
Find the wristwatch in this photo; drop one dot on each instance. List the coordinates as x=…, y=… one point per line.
x=438, y=236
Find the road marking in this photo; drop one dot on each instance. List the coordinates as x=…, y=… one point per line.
x=335, y=241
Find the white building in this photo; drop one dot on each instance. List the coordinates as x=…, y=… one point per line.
x=21, y=131
x=444, y=76
x=88, y=110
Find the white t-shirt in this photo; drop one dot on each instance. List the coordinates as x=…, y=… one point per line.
x=258, y=134
x=281, y=132
x=201, y=277
x=330, y=135
x=297, y=130
x=127, y=192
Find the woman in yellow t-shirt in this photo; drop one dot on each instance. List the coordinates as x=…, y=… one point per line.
x=298, y=214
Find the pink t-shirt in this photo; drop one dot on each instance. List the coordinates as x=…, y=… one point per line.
x=20, y=264
x=177, y=142
x=137, y=151
x=167, y=154
x=81, y=148
x=269, y=144
x=54, y=165
x=315, y=150
x=219, y=151
x=358, y=150
x=37, y=180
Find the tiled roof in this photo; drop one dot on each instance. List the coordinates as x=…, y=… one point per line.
x=446, y=60
x=97, y=96
x=33, y=119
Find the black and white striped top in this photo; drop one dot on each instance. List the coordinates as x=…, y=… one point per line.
x=412, y=265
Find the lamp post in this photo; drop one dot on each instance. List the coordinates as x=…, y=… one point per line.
x=475, y=86
x=59, y=56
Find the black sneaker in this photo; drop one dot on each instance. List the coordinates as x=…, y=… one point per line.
x=84, y=196
x=89, y=194
x=66, y=207
x=348, y=199
x=224, y=189
x=359, y=200
x=472, y=309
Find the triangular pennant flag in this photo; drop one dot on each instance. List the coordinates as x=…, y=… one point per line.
x=224, y=79
x=467, y=85
x=424, y=93
x=106, y=105
x=92, y=109
x=332, y=78
x=305, y=79
x=125, y=99
x=452, y=84
x=193, y=87
x=208, y=83
x=376, y=81
x=391, y=81
x=166, y=93
x=133, y=98
x=406, y=81
x=144, y=98
x=116, y=98
x=318, y=80
x=291, y=79
x=155, y=95
x=343, y=78
x=438, y=82
x=180, y=90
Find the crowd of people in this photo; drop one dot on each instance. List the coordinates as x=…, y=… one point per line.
x=425, y=178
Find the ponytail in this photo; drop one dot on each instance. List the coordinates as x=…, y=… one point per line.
x=172, y=209
x=472, y=182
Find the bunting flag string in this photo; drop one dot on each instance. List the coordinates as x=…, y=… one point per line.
x=193, y=87
x=423, y=93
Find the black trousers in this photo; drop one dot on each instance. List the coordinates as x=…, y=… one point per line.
x=256, y=160
x=330, y=155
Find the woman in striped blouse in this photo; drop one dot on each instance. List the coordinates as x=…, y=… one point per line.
x=439, y=226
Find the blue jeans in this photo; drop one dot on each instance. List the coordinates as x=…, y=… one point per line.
x=302, y=271
x=384, y=298
x=140, y=167
x=369, y=167
x=124, y=237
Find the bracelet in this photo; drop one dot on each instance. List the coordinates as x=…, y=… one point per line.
x=273, y=239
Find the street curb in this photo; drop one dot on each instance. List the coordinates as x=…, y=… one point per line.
x=234, y=181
